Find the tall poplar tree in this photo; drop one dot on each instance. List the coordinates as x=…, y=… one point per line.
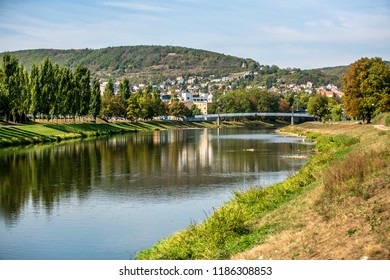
x=25, y=97
x=35, y=91
x=65, y=91
x=109, y=88
x=71, y=101
x=95, y=101
x=81, y=77
x=9, y=81
x=47, y=85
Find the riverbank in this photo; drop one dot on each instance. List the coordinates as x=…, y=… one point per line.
x=46, y=132
x=336, y=207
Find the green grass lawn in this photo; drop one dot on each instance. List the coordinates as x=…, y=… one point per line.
x=11, y=135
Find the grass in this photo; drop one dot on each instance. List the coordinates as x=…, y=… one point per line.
x=335, y=207
x=43, y=132
x=13, y=135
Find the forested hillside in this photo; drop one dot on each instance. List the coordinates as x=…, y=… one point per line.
x=149, y=63
x=146, y=64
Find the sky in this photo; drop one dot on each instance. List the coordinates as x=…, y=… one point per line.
x=304, y=34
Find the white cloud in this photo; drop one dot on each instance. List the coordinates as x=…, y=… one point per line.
x=147, y=8
x=285, y=33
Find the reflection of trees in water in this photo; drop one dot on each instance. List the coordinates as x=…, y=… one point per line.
x=45, y=175
x=167, y=160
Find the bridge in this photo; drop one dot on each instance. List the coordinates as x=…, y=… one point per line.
x=218, y=117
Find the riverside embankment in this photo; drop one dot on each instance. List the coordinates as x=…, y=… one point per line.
x=52, y=131
x=336, y=207
x=46, y=132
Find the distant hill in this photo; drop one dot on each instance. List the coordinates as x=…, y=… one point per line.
x=157, y=63
x=148, y=63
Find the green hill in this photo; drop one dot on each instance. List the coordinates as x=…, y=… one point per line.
x=143, y=64
x=149, y=63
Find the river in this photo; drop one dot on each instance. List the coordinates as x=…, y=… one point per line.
x=108, y=198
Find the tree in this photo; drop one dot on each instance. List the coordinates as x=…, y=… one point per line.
x=3, y=100
x=366, y=86
x=25, y=97
x=67, y=91
x=9, y=82
x=284, y=106
x=81, y=77
x=159, y=107
x=124, y=90
x=133, y=108
x=95, y=102
x=335, y=109
x=179, y=109
x=195, y=110
x=336, y=112
x=35, y=91
x=318, y=106
x=264, y=101
x=47, y=85
x=109, y=88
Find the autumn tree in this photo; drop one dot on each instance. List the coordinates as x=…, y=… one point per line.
x=366, y=86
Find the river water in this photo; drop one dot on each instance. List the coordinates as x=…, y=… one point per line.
x=108, y=198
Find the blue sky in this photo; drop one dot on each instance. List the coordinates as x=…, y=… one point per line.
x=305, y=34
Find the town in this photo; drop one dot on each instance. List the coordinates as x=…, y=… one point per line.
x=201, y=91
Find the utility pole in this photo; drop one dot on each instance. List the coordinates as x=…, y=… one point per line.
x=218, y=108
x=292, y=115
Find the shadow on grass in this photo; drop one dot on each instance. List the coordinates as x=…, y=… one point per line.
x=16, y=132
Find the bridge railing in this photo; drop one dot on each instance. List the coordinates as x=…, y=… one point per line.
x=254, y=114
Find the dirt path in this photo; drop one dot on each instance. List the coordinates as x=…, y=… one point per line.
x=381, y=127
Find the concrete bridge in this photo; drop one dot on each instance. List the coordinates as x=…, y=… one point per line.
x=293, y=115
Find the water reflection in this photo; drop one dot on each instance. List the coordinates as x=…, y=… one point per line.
x=154, y=164
x=111, y=197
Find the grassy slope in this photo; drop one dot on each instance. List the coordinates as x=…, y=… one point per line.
x=336, y=207
x=14, y=135
x=140, y=62
x=54, y=132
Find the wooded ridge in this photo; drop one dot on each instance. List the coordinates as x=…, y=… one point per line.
x=157, y=63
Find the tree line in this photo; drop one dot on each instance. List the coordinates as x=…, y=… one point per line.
x=48, y=91
x=143, y=104
x=51, y=91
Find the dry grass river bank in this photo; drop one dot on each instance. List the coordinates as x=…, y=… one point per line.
x=336, y=207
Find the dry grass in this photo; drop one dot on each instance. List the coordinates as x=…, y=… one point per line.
x=347, y=216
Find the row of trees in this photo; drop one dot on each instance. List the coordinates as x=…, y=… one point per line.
x=49, y=91
x=52, y=91
x=242, y=101
x=145, y=104
x=257, y=100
